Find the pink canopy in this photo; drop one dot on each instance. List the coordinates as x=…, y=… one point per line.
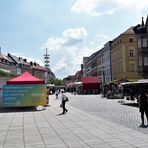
x=26, y=78
x=90, y=82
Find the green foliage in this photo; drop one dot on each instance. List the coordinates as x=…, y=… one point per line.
x=6, y=74
x=56, y=82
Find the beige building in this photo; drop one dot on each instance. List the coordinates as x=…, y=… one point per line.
x=124, y=56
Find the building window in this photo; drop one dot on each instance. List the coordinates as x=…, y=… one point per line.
x=100, y=72
x=131, y=53
x=88, y=70
x=144, y=42
x=145, y=61
x=132, y=67
x=140, y=61
x=139, y=43
x=131, y=40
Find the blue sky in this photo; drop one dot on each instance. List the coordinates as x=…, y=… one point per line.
x=70, y=29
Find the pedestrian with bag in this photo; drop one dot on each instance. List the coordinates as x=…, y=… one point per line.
x=63, y=102
x=57, y=93
x=143, y=106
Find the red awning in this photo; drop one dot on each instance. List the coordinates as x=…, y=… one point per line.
x=26, y=78
x=90, y=80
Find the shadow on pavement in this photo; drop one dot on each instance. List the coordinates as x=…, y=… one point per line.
x=20, y=109
x=130, y=104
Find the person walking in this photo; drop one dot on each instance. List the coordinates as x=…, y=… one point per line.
x=57, y=93
x=143, y=106
x=63, y=102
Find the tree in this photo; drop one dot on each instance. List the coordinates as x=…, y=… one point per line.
x=56, y=81
x=6, y=74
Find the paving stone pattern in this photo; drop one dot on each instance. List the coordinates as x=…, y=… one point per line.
x=127, y=115
x=76, y=129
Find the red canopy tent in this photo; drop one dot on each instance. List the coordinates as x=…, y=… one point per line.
x=90, y=83
x=26, y=78
x=90, y=80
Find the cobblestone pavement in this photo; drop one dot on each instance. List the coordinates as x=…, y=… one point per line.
x=28, y=128
x=127, y=115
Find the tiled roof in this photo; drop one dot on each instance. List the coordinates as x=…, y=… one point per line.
x=129, y=31
x=2, y=56
x=20, y=60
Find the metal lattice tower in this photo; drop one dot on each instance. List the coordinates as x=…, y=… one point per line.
x=46, y=59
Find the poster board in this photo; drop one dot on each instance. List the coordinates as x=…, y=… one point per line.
x=3, y=81
x=24, y=95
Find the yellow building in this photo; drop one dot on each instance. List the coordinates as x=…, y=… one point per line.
x=124, y=57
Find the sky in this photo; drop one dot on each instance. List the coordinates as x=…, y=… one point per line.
x=69, y=29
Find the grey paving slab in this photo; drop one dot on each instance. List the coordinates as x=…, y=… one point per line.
x=13, y=146
x=76, y=129
x=126, y=114
x=35, y=146
x=57, y=146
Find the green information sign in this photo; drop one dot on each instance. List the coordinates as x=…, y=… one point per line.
x=23, y=95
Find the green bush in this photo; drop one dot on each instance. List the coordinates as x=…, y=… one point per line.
x=6, y=74
x=56, y=82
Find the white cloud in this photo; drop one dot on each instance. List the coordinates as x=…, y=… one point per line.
x=75, y=58
x=76, y=54
x=74, y=36
x=84, y=52
x=102, y=7
x=87, y=6
x=99, y=41
x=60, y=65
x=53, y=43
x=70, y=37
x=66, y=54
x=68, y=60
x=77, y=33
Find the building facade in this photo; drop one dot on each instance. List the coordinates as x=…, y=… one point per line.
x=68, y=80
x=37, y=70
x=7, y=65
x=21, y=64
x=142, y=42
x=90, y=65
x=124, y=57
x=107, y=73
x=86, y=67
x=100, y=70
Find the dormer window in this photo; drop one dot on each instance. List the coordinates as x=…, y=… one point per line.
x=131, y=40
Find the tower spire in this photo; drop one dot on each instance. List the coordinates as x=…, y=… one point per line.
x=46, y=59
x=142, y=22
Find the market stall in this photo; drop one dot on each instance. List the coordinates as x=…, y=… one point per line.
x=91, y=85
x=24, y=91
x=131, y=90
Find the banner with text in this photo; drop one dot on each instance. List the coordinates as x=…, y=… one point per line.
x=23, y=95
